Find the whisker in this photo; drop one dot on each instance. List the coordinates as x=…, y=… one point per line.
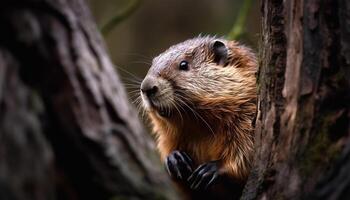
x=137, y=54
x=137, y=91
x=137, y=101
x=196, y=113
x=129, y=73
x=132, y=88
x=175, y=104
x=131, y=80
x=131, y=84
x=182, y=102
x=141, y=62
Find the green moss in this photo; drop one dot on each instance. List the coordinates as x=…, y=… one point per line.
x=340, y=76
x=321, y=151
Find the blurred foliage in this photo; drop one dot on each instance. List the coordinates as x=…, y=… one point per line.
x=238, y=28
x=120, y=16
x=153, y=26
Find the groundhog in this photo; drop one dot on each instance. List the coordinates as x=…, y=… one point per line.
x=200, y=96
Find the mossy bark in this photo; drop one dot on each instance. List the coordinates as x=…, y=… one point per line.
x=302, y=124
x=67, y=130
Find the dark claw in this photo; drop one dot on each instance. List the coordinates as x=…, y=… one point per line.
x=204, y=176
x=179, y=165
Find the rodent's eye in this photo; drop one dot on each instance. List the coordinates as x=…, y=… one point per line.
x=183, y=65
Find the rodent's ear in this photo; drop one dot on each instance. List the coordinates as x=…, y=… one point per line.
x=220, y=52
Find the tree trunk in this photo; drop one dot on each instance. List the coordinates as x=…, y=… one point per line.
x=67, y=130
x=302, y=124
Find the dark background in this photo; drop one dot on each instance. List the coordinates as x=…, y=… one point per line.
x=157, y=24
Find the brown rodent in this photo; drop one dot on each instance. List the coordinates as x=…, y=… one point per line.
x=201, y=98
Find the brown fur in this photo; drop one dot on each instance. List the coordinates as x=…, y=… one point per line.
x=222, y=97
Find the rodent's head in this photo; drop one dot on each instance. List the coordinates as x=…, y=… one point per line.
x=204, y=74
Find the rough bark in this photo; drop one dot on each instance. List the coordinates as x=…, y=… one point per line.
x=67, y=130
x=302, y=124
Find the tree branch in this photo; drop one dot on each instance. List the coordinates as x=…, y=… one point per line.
x=120, y=16
x=238, y=28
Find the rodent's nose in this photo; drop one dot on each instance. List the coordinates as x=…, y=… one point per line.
x=149, y=87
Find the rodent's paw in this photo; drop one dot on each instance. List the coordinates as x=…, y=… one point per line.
x=204, y=176
x=179, y=165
